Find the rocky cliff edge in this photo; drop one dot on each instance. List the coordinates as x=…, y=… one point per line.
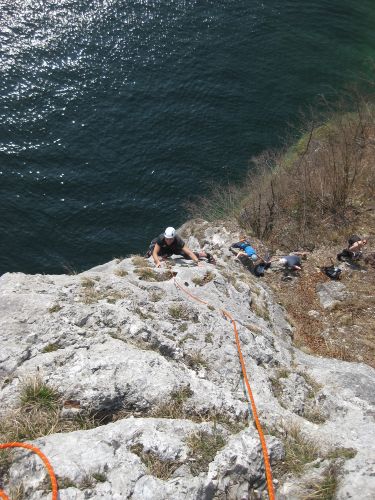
x=152, y=382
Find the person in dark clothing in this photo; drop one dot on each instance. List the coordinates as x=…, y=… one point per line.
x=170, y=243
x=292, y=262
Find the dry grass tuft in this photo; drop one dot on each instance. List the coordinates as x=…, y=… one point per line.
x=314, y=414
x=156, y=295
x=275, y=381
x=203, y=280
x=179, y=311
x=208, y=338
x=6, y=460
x=51, y=347
x=260, y=311
x=203, y=447
x=17, y=492
x=163, y=469
x=345, y=453
x=55, y=308
x=139, y=261
x=87, y=282
x=299, y=450
x=148, y=274
x=325, y=488
x=195, y=360
x=175, y=407
x=39, y=414
x=91, y=292
x=120, y=272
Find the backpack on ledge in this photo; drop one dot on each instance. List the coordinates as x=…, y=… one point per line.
x=332, y=272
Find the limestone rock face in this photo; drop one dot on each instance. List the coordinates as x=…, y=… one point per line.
x=125, y=342
x=331, y=294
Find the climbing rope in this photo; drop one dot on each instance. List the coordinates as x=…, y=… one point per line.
x=228, y=316
x=258, y=426
x=45, y=461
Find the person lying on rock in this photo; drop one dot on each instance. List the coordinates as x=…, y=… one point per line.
x=248, y=256
x=170, y=243
x=244, y=248
x=354, y=251
x=292, y=262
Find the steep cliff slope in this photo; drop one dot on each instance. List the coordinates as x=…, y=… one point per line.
x=146, y=393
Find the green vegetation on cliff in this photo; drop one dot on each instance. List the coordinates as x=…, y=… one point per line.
x=318, y=188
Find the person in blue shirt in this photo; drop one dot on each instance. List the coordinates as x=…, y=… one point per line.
x=250, y=258
x=245, y=248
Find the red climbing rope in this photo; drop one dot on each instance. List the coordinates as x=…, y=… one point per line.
x=45, y=461
x=271, y=493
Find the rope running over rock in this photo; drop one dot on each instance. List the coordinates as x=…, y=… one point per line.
x=45, y=461
x=228, y=316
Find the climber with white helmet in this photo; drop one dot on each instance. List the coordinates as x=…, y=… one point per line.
x=170, y=243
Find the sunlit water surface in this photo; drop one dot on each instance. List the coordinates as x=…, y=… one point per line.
x=114, y=113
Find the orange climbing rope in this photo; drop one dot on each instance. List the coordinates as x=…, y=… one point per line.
x=271, y=493
x=253, y=407
x=42, y=456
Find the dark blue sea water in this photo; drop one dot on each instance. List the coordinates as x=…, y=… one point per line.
x=115, y=112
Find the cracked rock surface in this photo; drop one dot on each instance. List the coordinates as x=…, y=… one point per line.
x=121, y=339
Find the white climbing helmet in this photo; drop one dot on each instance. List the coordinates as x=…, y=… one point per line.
x=170, y=232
